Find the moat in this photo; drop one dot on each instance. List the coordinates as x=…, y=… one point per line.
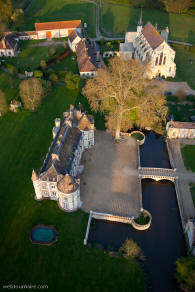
x=164, y=241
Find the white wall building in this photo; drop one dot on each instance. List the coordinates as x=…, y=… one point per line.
x=57, y=29
x=151, y=47
x=58, y=179
x=180, y=130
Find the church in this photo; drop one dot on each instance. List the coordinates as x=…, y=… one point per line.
x=150, y=47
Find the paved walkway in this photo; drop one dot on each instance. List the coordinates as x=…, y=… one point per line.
x=109, y=183
x=175, y=86
x=185, y=177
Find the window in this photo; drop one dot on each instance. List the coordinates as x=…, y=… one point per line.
x=161, y=58
x=44, y=187
x=45, y=193
x=164, y=60
x=52, y=187
x=53, y=193
x=170, y=69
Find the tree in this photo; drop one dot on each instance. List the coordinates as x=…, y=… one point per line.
x=177, y=6
x=185, y=273
x=31, y=92
x=130, y=249
x=72, y=81
x=3, y=103
x=3, y=28
x=43, y=64
x=125, y=96
x=6, y=9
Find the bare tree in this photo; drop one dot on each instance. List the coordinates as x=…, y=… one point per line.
x=176, y=6
x=31, y=92
x=3, y=103
x=125, y=96
x=130, y=249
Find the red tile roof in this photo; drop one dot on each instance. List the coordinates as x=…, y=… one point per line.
x=182, y=125
x=58, y=25
x=152, y=35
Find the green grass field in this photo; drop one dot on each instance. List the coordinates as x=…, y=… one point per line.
x=119, y=18
x=67, y=265
x=70, y=63
x=188, y=153
x=48, y=10
x=185, y=61
x=31, y=55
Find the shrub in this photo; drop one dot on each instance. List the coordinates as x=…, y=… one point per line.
x=53, y=77
x=38, y=74
x=43, y=64
x=62, y=75
x=130, y=249
x=52, y=51
x=72, y=81
x=46, y=86
x=185, y=273
x=143, y=219
x=12, y=69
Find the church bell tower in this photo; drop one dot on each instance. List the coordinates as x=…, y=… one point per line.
x=140, y=24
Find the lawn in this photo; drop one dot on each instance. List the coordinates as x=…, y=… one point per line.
x=188, y=153
x=31, y=55
x=68, y=64
x=9, y=85
x=185, y=62
x=119, y=18
x=66, y=265
x=58, y=10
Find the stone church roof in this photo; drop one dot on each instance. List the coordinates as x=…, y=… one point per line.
x=152, y=35
x=67, y=184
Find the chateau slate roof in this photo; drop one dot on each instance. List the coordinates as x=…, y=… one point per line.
x=67, y=184
x=50, y=174
x=182, y=125
x=85, y=124
x=58, y=25
x=152, y=35
x=10, y=42
x=85, y=58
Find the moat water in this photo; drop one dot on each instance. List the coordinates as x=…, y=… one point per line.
x=163, y=243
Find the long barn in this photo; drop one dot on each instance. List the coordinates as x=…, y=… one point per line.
x=57, y=29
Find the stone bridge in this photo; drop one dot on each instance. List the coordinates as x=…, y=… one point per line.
x=157, y=173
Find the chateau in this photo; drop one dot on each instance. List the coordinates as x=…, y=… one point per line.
x=59, y=176
x=150, y=47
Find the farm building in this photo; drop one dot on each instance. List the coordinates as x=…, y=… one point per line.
x=57, y=29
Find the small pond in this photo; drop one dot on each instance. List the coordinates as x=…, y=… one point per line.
x=43, y=234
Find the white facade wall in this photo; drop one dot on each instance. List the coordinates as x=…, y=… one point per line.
x=70, y=202
x=88, y=74
x=7, y=53
x=55, y=33
x=174, y=133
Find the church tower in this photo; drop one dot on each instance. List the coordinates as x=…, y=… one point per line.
x=140, y=24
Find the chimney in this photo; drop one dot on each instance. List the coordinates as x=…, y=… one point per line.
x=3, y=43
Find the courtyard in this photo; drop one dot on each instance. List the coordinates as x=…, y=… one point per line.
x=109, y=182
